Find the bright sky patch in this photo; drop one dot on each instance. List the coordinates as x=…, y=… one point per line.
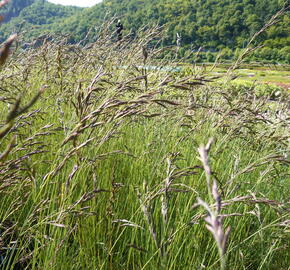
x=80, y=3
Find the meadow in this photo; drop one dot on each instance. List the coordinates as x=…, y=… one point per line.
x=271, y=76
x=104, y=167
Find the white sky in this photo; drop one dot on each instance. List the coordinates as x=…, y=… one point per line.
x=80, y=3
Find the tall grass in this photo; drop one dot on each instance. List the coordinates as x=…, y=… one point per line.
x=106, y=168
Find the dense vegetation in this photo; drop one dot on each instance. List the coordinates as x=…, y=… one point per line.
x=13, y=8
x=216, y=26
x=33, y=18
x=108, y=165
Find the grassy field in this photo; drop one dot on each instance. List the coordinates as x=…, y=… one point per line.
x=110, y=168
x=268, y=75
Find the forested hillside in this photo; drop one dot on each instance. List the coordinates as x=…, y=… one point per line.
x=214, y=25
x=13, y=8
x=33, y=17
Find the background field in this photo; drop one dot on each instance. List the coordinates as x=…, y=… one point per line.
x=266, y=74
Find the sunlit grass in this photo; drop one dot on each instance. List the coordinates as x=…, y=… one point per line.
x=105, y=172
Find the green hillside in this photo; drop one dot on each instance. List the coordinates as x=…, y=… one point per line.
x=14, y=7
x=209, y=23
x=32, y=18
x=214, y=25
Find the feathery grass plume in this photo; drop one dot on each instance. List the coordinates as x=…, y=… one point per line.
x=213, y=218
x=204, y=158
